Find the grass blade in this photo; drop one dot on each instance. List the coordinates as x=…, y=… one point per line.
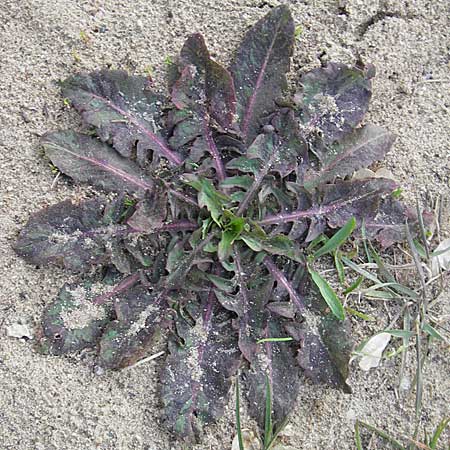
x=404, y=334
x=359, y=314
x=276, y=433
x=423, y=233
x=363, y=272
x=280, y=339
x=432, y=332
x=382, y=435
x=437, y=434
x=358, y=442
x=268, y=415
x=405, y=344
x=328, y=294
x=419, y=379
x=338, y=239
x=238, y=416
x=354, y=285
x=339, y=266
x=387, y=275
x=364, y=239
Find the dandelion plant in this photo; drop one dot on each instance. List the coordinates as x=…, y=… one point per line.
x=208, y=198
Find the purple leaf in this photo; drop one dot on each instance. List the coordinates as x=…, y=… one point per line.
x=185, y=127
x=205, y=89
x=151, y=212
x=248, y=302
x=280, y=278
x=279, y=150
x=88, y=160
x=180, y=262
x=325, y=343
x=259, y=68
x=124, y=111
x=274, y=363
x=357, y=150
x=325, y=350
x=72, y=236
x=333, y=101
x=357, y=198
x=196, y=378
x=73, y=321
x=217, y=83
x=252, y=303
x=388, y=226
x=342, y=201
x=140, y=312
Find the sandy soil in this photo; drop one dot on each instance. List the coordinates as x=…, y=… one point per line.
x=51, y=403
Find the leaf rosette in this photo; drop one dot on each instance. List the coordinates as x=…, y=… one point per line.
x=220, y=187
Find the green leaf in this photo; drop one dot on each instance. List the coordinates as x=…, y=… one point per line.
x=338, y=238
x=206, y=225
x=221, y=283
x=339, y=266
x=209, y=196
x=359, y=314
x=245, y=164
x=242, y=181
x=354, y=285
x=328, y=294
x=280, y=244
x=405, y=334
x=437, y=434
x=432, y=332
x=232, y=232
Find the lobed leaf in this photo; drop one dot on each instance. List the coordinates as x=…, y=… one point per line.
x=340, y=202
x=196, y=377
x=213, y=85
x=140, y=313
x=76, y=237
x=73, y=321
x=88, y=160
x=123, y=109
x=273, y=368
x=151, y=212
x=356, y=150
x=387, y=226
x=325, y=351
x=333, y=100
x=326, y=346
x=203, y=91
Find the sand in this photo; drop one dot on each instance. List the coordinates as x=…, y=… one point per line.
x=49, y=403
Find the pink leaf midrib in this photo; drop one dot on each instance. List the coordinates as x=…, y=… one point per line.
x=259, y=81
x=173, y=157
x=118, y=172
